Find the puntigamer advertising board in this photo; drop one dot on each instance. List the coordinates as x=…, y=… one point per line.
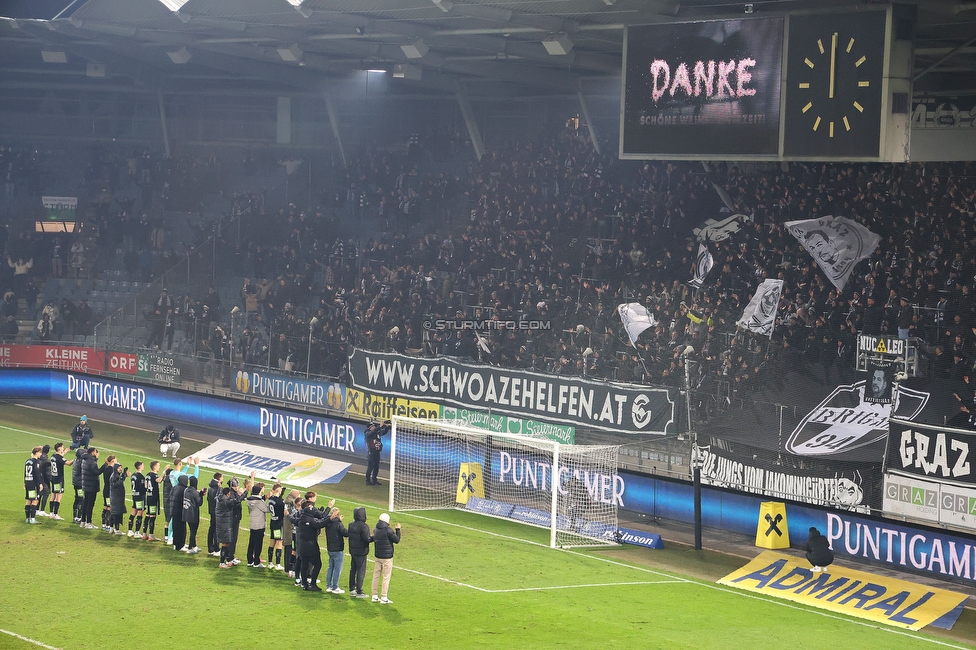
x=519, y=393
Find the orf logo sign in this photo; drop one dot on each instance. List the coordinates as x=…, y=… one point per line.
x=123, y=363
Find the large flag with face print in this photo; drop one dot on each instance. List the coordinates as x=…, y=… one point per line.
x=760, y=314
x=836, y=244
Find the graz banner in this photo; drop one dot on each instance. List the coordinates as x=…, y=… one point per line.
x=931, y=452
x=843, y=490
x=160, y=366
x=937, y=502
x=507, y=424
x=846, y=591
x=285, y=388
x=361, y=404
x=565, y=400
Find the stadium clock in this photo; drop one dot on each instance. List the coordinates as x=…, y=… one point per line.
x=835, y=71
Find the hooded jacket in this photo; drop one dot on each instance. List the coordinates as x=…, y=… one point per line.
x=90, y=474
x=288, y=526
x=116, y=486
x=167, y=496
x=335, y=534
x=213, y=490
x=384, y=537
x=311, y=522
x=818, y=549
x=257, y=512
x=224, y=513
x=192, y=500
x=175, y=510
x=359, y=533
x=77, y=468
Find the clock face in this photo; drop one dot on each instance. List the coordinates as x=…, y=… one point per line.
x=835, y=66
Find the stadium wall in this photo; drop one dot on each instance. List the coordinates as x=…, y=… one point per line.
x=857, y=537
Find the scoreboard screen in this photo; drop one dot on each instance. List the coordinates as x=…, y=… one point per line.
x=702, y=88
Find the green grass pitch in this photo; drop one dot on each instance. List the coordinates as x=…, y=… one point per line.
x=460, y=581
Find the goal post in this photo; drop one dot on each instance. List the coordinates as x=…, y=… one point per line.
x=572, y=490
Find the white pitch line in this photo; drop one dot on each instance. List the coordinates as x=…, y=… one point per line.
x=605, y=584
x=116, y=424
x=29, y=640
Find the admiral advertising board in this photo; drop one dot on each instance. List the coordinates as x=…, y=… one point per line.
x=578, y=402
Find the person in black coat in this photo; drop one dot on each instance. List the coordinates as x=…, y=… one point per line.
x=335, y=544
x=176, y=513
x=90, y=484
x=79, y=488
x=106, y=470
x=360, y=537
x=374, y=445
x=384, y=539
x=192, y=500
x=229, y=498
x=311, y=522
x=117, y=495
x=213, y=490
x=818, y=550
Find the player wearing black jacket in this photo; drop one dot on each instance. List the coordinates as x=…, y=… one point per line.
x=32, y=484
x=311, y=522
x=106, y=471
x=192, y=500
x=213, y=490
x=360, y=537
x=276, y=523
x=44, y=466
x=58, y=464
x=76, y=468
x=138, y=482
x=89, y=483
x=175, y=512
x=117, y=496
x=153, y=479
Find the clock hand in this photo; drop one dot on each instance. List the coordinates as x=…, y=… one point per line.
x=833, y=64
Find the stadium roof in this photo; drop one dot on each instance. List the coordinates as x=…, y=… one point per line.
x=494, y=48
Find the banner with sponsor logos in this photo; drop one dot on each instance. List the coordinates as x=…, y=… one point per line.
x=507, y=424
x=573, y=401
x=57, y=357
x=844, y=490
x=160, y=366
x=286, y=467
x=931, y=501
x=286, y=388
x=847, y=591
x=361, y=404
x=931, y=452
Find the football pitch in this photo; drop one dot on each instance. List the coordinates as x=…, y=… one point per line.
x=460, y=581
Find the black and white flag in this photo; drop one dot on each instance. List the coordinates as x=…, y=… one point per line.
x=760, y=314
x=636, y=319
x=703, y=264
x=836, y=244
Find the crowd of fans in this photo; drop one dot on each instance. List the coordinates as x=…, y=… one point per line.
x=553, y=231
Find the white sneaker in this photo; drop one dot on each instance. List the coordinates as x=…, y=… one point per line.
x=817, y=569
x=329, y=590
x=216, y=554
x=385, y=601
x=130, y=534
x=291, y=574
x=193, y=550
x=278, y=567
x=235, y=561
x=376, y=599
x=57, y=517
x=41, y=513
x=338, y=591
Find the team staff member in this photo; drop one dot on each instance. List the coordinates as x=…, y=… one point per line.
x=58, y=464
x=138, y=481
x=360, y=537
x=192, y=500
x=76, y=483
x=117, y=493
x=169, y=441
x=89, y=483
x=213, y=490
x=82, y=434
x=153, y=481
x=276, y=522
x=32, y=484
x=383, y=542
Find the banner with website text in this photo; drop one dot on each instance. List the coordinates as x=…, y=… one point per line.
x=579, y=402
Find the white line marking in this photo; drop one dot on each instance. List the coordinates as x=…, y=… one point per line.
x=115, y=424
x=29, y=640
x=606, y=584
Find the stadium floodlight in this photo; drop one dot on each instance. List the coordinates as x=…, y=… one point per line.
x=558, y=44
x=415, y=50
x=174, y=5
x=179, y=56
x=573, y=490
x=293, y=53
x=54, y=57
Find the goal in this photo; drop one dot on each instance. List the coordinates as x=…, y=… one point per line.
x=573, y=490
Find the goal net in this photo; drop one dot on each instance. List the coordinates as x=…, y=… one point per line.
x=573, y=490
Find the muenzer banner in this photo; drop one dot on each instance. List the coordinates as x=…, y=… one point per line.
x=520, y=393
x=272, y=464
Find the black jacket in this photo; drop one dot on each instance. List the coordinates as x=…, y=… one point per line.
x=384, y=538
x=77, y=468
x=44, y=464
x=212, y=491
x=192, y=500
x=360, y=535
x=175, y=510
x=90, y=474
x=818, y=549
x=167, y=495
x=224, y=514
x=335, y=534
x=116, y=486
x=106, y=471
x=311, y=522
